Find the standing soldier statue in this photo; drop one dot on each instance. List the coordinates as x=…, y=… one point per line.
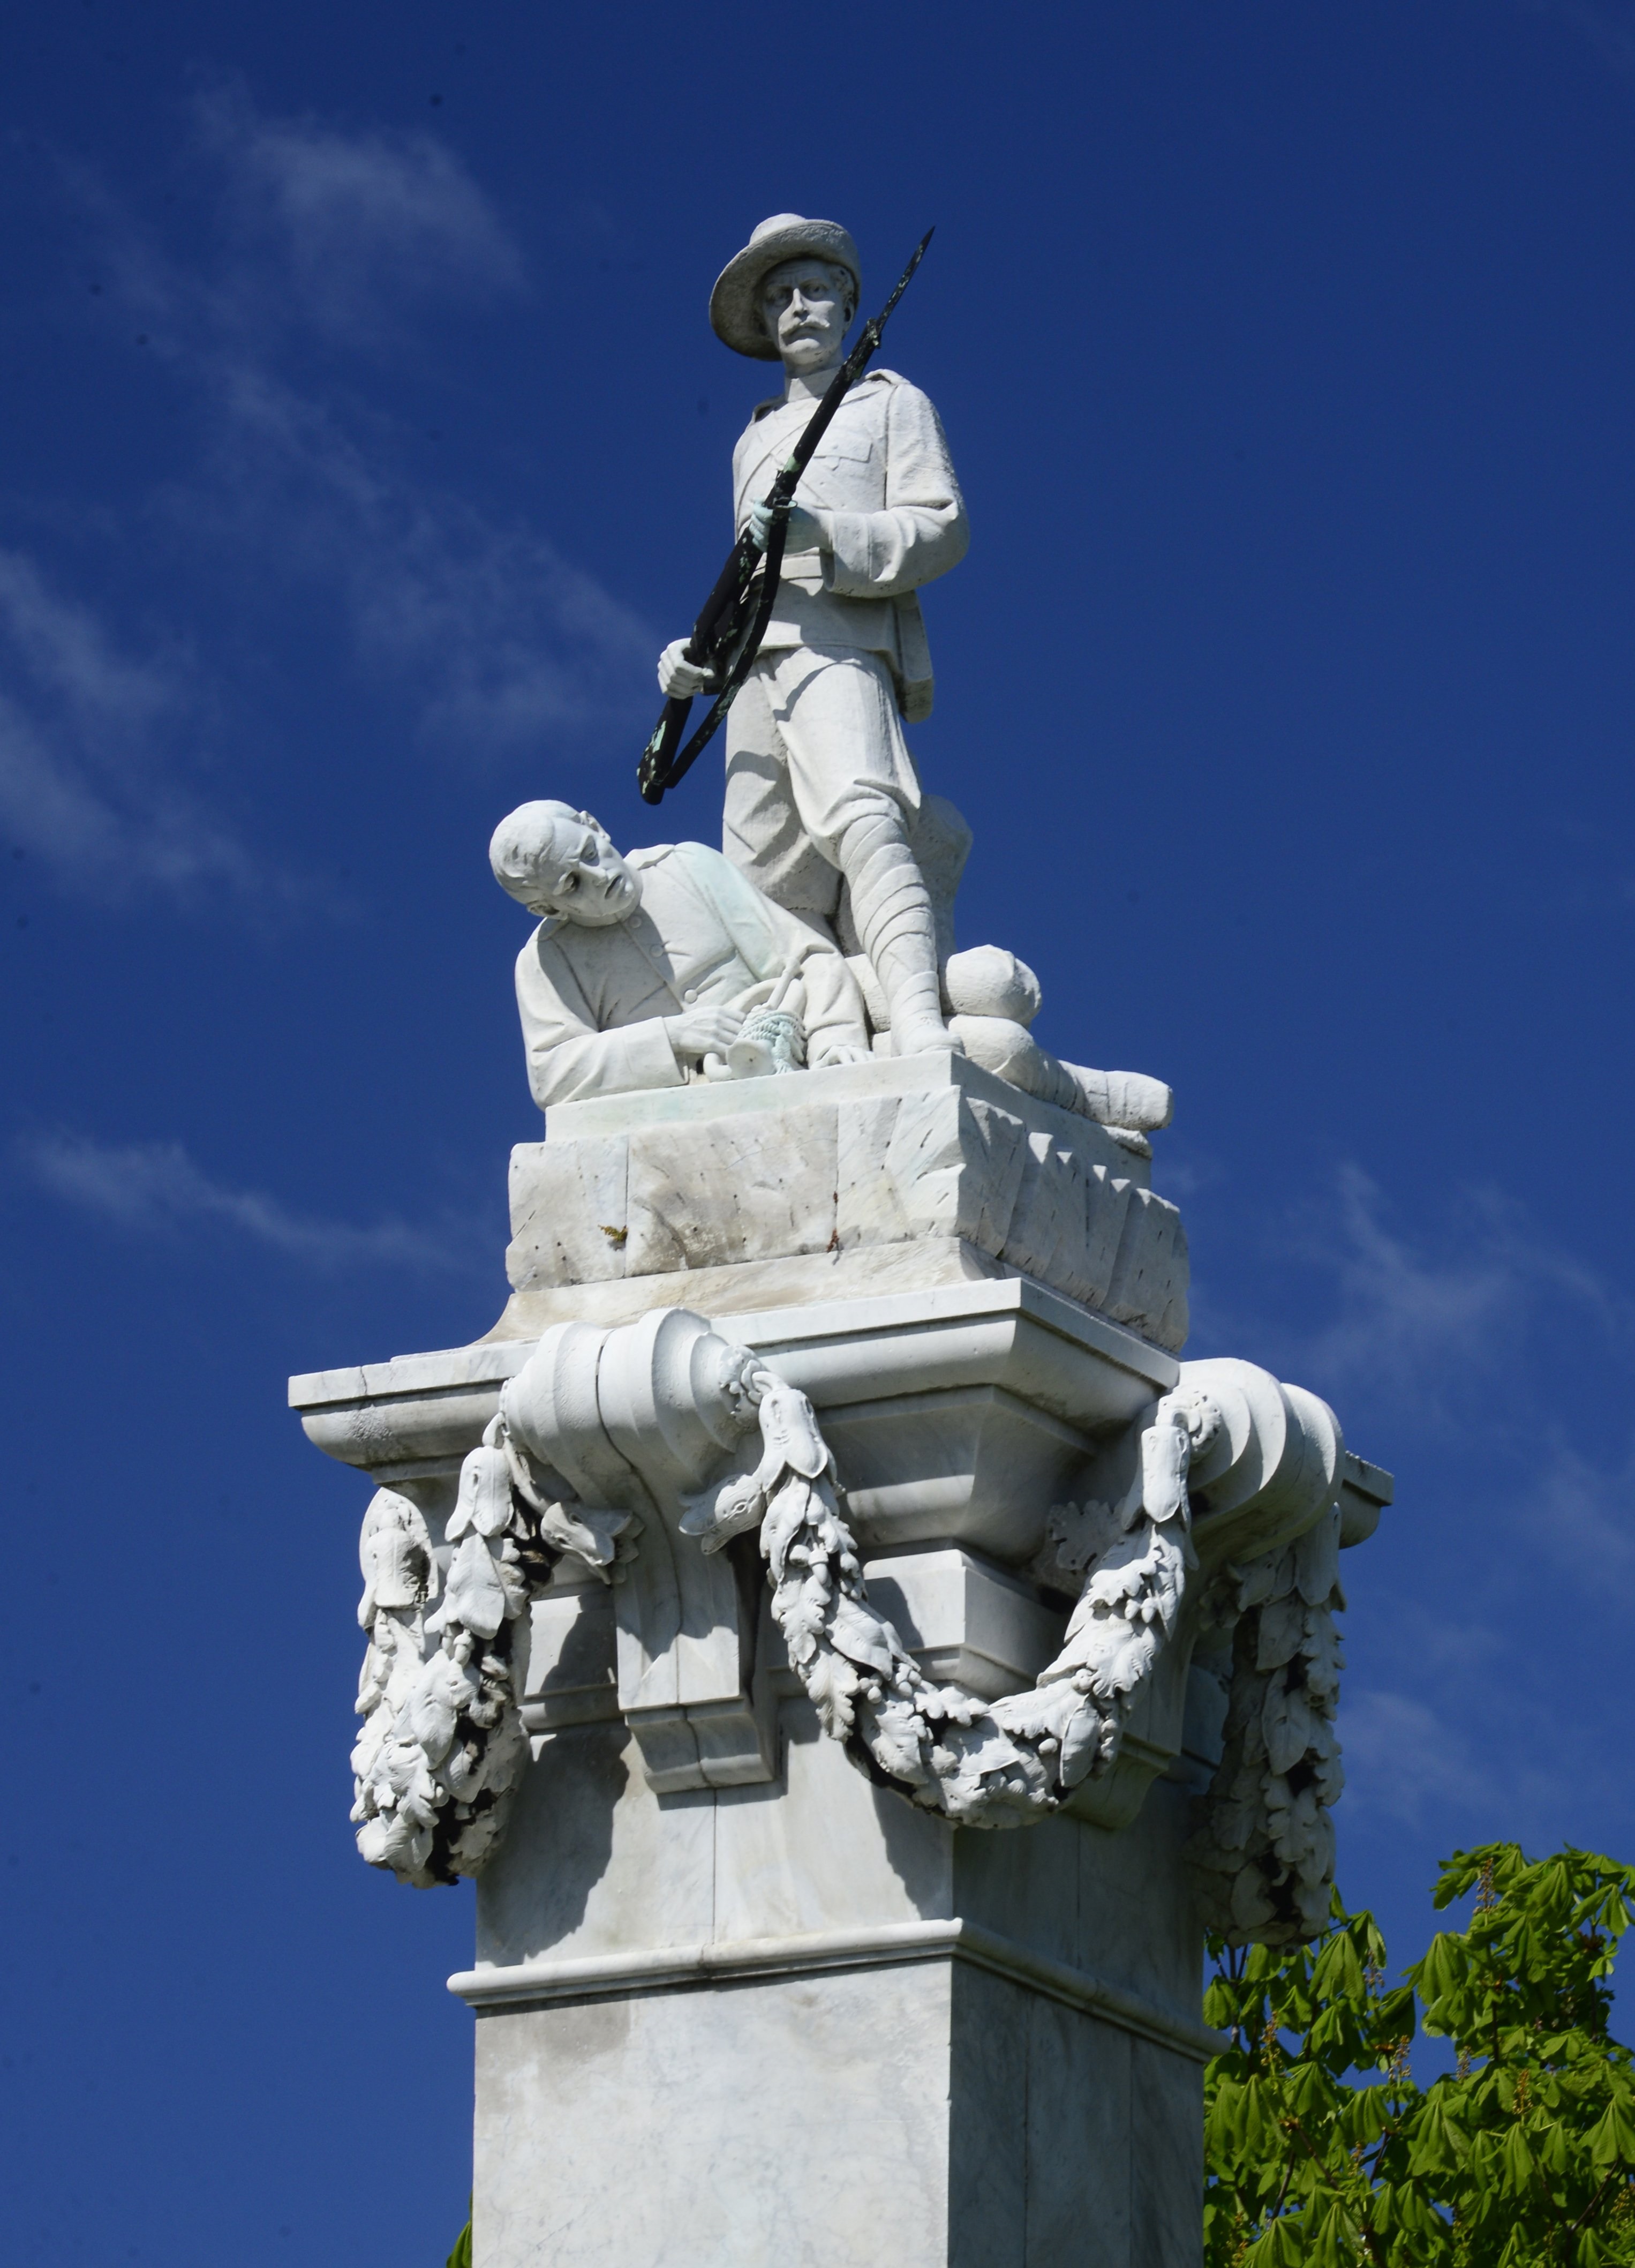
x=821, y=791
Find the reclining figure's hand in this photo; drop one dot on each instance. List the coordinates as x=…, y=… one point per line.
x=678, y=679
x=703, y=1032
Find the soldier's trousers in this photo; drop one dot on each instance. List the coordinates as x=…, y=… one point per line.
x=813, y=743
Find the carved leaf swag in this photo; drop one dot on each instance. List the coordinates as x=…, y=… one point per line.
x=981, y=1764
x=443, y=1745
x=1263, y=1859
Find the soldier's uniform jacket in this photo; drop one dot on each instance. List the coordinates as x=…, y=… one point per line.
x=592, y=1000
x=883, y=471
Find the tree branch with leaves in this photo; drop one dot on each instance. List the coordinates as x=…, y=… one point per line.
x=1321, y=2148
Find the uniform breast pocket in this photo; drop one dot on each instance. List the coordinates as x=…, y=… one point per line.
x=845, y=448
x=846, y=470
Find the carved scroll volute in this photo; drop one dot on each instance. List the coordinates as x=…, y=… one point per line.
x=666, y=1389
x=554, y=1407
x=634, y=1419
x=1269, y=1473
x=1262, y=1853
x=1273, y=1468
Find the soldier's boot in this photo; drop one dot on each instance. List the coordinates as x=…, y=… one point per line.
x=892, y=909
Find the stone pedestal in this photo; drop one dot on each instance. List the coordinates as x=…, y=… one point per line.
x=738, y=2002
x=805, y=2023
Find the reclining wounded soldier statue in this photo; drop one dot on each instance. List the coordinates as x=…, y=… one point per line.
x=832, y=1491
x=668, y=966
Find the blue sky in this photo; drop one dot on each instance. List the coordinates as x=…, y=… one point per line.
x=364, y=437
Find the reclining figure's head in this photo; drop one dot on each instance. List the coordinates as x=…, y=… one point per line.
x=555, y=860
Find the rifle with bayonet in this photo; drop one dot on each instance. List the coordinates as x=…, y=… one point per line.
x=727, y=635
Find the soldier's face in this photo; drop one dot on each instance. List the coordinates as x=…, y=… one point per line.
x=592, y=886
x=805, y=305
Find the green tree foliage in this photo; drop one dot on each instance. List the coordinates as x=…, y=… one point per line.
x=1320, y=2148
x=460, y=2257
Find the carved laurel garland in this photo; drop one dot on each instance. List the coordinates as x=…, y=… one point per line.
x=443, y=1745
x=982, y=1763
x=1264, y=1858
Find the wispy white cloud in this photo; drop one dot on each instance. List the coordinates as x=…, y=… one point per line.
x=1425, y=1319
x=84, y=782
x=361, y=227
x=496, y=634
x=106, y=731
x=1453, y=1335
x=155, y=1189
x=1476, y=1761
x=1489, y=1361
x=1608, y=30
x=1582, y=1513
x=478, y=618
x=1403, y=1759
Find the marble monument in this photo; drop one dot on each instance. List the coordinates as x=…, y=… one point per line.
x=854, y=1651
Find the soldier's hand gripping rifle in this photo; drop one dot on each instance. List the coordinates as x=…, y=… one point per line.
x=728, y=634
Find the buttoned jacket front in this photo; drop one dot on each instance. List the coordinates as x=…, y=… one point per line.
x=883, y=474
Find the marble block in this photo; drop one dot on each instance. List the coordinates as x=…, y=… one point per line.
x=959, y=1416
x=799, y=2016
x=810, y=2025
x=922, y=1159
x=963, y=1617
x=965, y=1620
x=960, y=1410
x=573, y=1672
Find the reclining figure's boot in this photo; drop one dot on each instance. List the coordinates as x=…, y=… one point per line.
x=893, y=912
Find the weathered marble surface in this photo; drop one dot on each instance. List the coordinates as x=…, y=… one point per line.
x=966, y=1621
x=883, y=1156
x=693, y=2187
x=636, y=1437
x=988, y=2045
x=653, y=1952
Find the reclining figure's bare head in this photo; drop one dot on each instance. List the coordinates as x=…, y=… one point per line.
x=557, y=861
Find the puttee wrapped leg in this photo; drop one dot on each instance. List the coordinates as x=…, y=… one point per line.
x=892, y=908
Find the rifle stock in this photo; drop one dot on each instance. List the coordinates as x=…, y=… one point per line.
x=658, y=757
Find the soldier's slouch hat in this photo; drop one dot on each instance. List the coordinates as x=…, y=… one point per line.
x=734, y=303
